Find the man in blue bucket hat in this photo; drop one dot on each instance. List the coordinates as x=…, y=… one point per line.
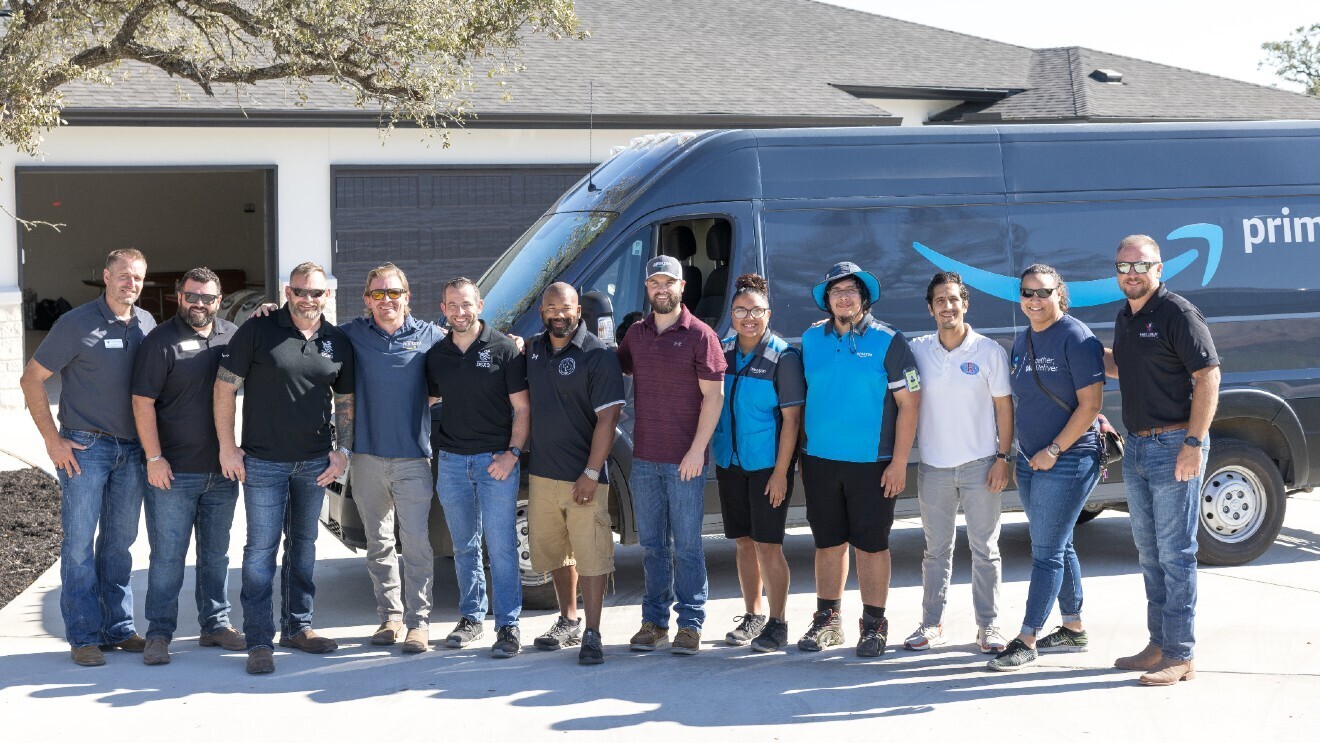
x=854, y=463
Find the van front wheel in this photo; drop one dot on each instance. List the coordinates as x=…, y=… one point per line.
x=538, y=590
x=1241, y=506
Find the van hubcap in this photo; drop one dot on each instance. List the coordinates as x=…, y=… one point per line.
x=1232, y=504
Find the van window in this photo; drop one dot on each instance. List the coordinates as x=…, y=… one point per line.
x=620, y=278
x=704, y=246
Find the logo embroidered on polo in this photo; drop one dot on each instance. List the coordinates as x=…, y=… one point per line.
x=327, y=350
x=1150, y=331
x=970, y=369
x=483, y=358
x=567, y=367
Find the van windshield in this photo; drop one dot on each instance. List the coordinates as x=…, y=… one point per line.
x=520, y=275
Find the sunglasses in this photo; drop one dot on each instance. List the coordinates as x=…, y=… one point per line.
x=194, y=297
x=313, y=293
x=1126, y=267
x=742, y=313
x=1042, y=293
x=379, y=294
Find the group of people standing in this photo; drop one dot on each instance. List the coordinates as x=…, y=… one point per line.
x=148, y=413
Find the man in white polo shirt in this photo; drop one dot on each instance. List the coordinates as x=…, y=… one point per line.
x=965, y=432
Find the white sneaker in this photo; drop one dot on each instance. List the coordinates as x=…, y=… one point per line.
x=990, y=640
x=926, y=637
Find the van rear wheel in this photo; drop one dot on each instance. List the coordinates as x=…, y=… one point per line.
x=538, y=590
x=1241, y=505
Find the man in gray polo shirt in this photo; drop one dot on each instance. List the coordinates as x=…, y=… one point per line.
x=97, y=455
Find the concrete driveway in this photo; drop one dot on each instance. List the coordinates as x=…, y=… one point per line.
x=1258, y=662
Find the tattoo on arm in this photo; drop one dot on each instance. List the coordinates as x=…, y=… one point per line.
x=224, y=375
x=344, y=415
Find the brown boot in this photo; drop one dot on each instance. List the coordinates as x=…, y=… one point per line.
x=157, y=652
x=1143, y=661
x=308, y=642
x=261, y=659
x=1169, y=672
x=87, y=655
x=225, y=637
x=419, y=640
x=387, y=633
x=134, y=643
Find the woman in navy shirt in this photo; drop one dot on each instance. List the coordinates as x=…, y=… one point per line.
x=1057, y=378
x=754, y=445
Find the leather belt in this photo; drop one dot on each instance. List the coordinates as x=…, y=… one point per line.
x=1162, y=429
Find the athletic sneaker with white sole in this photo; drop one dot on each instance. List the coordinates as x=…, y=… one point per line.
x=990, y=639
x=925, y=637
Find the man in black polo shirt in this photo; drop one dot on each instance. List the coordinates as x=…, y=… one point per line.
x=288, y=364
x=482, y=378
x=576, y=387
x=1168, y=373
x=98, y=457
x=173, y=380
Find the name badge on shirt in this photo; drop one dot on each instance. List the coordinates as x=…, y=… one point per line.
x=191, y=345
x=114, y=342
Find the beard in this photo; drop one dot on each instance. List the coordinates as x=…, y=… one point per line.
x=197, y=317
x=561, y=327
x=1137, y=292
x=304, y=314
x=665, y=306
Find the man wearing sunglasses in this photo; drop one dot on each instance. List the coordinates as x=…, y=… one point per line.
x=173, y=381
x=1168, y=374
x=391, y=454
x=290, y=365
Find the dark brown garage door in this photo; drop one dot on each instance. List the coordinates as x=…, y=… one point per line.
x=434, y=223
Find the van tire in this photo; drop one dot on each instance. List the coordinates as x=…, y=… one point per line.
x=1241, y=505
x=538, y=590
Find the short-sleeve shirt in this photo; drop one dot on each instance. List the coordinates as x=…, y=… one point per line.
x=957, y=419
x=666, y=368
x=93, y=352
x=477, y=415
x=851, y=381
x=757, y=386
x=569, y=387
x=288, y=385
x=391, y=418
x=1068, y=358
x=176, y=367
x=1157, y=351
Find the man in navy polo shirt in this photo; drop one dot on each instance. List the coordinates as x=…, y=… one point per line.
x=863, y=397
x=289, y=364
x=98, y=457
x=677, y=365
x=482, y=378
x=391, y=471
x=576, y=391
x=173, y=382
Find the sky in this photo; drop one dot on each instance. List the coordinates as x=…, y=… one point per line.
x=1214, y=36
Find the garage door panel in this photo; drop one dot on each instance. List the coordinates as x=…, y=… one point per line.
x=377, y=192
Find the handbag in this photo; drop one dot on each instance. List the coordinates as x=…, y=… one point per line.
x=1111, y=443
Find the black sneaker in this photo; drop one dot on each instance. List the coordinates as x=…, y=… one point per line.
x=749, y=626
x=875, y=635
x=508, y=642
x=592, y=653
x=564, y=634
x=1063, y=640
x=773, y=638
x=465, y=632
x=1014, y=657
x=826, y=631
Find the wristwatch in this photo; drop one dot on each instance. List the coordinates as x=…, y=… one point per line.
x=1054, y=450
x=516, y=452
x=348, y=455
x=1007, y=457
x=593, y=474
x=1192, y=441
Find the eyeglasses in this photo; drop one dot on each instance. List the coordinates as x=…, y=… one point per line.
x=379, y=294
x=194, y=297
x=313, y=293
x=850, y=292
x=1042, y=293
x=1126, y=267
x=742, y=313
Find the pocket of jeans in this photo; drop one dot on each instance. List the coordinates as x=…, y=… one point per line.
x=84, y=439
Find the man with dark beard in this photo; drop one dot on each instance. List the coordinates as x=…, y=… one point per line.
x=576, y=391
x=173, y=377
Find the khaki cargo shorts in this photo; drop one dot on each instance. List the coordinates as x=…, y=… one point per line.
x=563, y=533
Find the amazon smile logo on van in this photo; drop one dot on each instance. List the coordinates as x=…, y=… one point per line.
x=1092, y=292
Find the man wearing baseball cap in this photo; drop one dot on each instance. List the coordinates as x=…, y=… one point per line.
x=677, y=366
x=863, y=395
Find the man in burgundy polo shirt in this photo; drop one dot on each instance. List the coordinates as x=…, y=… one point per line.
x=677, y=367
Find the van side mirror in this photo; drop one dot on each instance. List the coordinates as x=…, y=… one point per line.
x=598, y=314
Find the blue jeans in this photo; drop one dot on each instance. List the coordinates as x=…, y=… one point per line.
x=668, y=512
x=198, y=502
x=95, y=598
x=280, y=497
x=476, y=503
x=1163, y=516
x=1053, y=500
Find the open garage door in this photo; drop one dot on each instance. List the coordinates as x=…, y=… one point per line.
x=434, y=223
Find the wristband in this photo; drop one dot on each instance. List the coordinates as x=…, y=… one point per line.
x=156, y=458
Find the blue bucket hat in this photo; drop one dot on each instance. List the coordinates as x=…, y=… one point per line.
x=844, y=270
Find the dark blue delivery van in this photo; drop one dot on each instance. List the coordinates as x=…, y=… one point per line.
x=1235, y=208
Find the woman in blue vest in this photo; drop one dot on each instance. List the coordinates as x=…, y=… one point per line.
x=755, y=444
x=1057, y=376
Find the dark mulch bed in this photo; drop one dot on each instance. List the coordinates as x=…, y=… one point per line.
x=29, y=529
